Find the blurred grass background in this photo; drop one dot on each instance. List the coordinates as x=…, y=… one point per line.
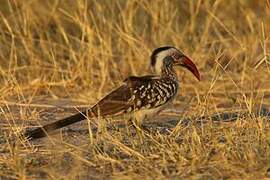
x=82, y=49
x=53, y=47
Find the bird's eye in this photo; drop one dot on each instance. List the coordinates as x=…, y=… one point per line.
x=176, y=55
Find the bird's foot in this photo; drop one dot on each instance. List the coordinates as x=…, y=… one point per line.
x=146, y=129
x=141, y=130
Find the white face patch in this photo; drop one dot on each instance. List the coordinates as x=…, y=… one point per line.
x=160, y=56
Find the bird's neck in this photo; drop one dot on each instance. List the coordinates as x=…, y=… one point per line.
x=169, y=72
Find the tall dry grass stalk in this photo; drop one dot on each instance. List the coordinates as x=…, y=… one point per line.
x=82, y=49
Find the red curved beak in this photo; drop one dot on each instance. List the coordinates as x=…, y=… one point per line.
x=191, y=66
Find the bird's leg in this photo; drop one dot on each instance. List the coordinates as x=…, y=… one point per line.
x=137, y=126
x=136, y=123
x=139, y=117
x=111, y=126
x=102, y=125
x=145, y=128
x=130, y=123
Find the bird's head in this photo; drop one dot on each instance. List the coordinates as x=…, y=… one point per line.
x=169, y=56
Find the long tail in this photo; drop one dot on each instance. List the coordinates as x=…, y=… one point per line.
x=43, y=131
x=114, y=103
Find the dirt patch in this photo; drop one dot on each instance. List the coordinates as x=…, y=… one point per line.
x=73, y=152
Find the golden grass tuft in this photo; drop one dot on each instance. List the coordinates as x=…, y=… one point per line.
x=55, y=55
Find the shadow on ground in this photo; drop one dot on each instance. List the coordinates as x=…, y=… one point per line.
x=51, y=110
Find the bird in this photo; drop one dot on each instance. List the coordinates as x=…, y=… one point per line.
x=140, y=96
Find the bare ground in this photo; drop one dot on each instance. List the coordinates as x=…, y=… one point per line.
x=72, y=149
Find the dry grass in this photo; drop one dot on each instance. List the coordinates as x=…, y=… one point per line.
x=79, y=50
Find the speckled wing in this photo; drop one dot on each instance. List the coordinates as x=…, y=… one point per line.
x=147, y=92
x=123, y=99
x=150, y=92
x=114, y=103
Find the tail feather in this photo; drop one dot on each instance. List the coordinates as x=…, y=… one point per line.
x=114, y=103
x=43, y=131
